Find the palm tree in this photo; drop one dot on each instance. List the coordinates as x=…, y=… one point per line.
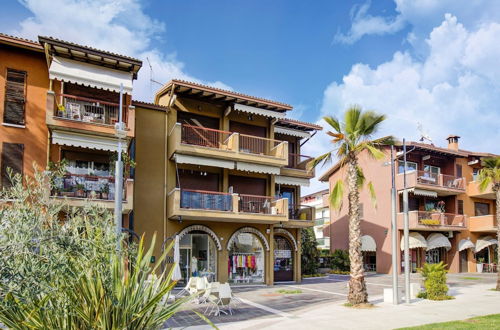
x=490, y=175
x=350, y=138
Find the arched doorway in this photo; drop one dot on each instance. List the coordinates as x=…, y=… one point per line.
x=283, y=259
x=246, y=264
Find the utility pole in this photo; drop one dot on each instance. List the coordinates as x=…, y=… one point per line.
x=120, y=133
x=394, y=234
x=406, y=230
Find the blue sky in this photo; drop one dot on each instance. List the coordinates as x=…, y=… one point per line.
x=427, y=63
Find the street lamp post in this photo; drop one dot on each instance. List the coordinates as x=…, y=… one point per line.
x=120, y=133
x=394, y=234
x=406, y=230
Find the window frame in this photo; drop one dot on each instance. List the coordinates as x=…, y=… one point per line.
x=401, y=166
x=24, y=100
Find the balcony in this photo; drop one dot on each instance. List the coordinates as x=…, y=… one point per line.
x=297, y=166
x=433, y=221
x=199, y=141
x=483, y=223
x=219, y=206
x=474, y=191
x=323, y=243
x=442, y=184
x=81, y=113
x=322, y=221
x=76, y=188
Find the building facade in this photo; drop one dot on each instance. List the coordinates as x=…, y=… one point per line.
x=223, y=171
x=450, y=220
x=319, y=200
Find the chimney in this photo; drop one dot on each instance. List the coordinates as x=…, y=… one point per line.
x=453, y=142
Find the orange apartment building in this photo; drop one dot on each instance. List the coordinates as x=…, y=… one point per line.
x=450, y=220
x=60, y=100
x=223, y=171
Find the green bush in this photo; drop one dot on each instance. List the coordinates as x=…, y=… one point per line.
x=310, y=253
x=434, y=276
x=339, y=260
x=60, y=268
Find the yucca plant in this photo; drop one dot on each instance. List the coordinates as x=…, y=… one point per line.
x=434, y=276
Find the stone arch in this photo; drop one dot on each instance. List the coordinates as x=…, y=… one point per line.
x=202, y=228
x=251, y=230
x=289, y=235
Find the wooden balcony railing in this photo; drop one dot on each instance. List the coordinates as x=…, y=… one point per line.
x=86, y=186
x=87, y=110
x=298, y=162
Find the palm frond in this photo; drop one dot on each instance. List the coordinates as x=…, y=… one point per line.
x=385, y=141
x=373, y=151
x=351, y=120
x=337, y=195
x=325, y=158
x=371, y=122
x=360, y=180
x=373, y=195
x=333, y=122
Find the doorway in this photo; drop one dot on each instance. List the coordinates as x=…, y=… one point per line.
x=198, y=256
x=283, y=260
x=463, y=261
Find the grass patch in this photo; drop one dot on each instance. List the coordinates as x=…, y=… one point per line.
x=482, y=322
x=494, y=289
x=360, y=306
x=470, y=278
x=313, y=275
x=286, y=291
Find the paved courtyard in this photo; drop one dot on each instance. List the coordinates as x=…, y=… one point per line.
x=269, y=308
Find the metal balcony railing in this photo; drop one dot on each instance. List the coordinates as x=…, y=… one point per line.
x=86, y=186
x=206, y=200
x=257, y=204
x=87, y=110
x=258, y=145
x=204, y=137
x=298, y=162
x=442, y=180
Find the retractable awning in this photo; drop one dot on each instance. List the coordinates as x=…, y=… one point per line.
x=291, y=181
x=368, y=244
x=421, y=192
x=436, y=240
x=203, y=161
x=257, y=168
x=484, y=242
x=416, y=241
x=86, y=141
x=258, y=111
x=292, y=132
x=90, y=75
x=465, y=244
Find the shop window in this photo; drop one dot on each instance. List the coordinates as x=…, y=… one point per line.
x=246, y=260
x=198, y=256
x=12, y=157
x=15, y=97
x=481, y=209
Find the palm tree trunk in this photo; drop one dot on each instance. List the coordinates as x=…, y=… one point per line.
x=357, y=286
x=497, y=192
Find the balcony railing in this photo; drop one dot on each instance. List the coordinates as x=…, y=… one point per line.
x=324, y=241
x=434, y=220
x=85, y=186
x=320, y=222
x=87, y=110
x=298, y=162
x=206, y=200
x=257, y=204
x=257, y=145
x=442, y=180
x=300, y=212
x=204, y=137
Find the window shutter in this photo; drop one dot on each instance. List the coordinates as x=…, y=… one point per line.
x=15, y=99
x=460, y=206
x=12, y=157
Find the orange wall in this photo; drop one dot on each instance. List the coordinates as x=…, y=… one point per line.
x=34, y=134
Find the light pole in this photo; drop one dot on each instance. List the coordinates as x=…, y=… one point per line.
x=406, y=230
x=394, y=233
x=120, y=133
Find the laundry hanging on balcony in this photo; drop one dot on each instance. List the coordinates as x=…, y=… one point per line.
x=368, y=244
x=416, y=241
x=436, y=240
x=465, y=244
x=484, y=242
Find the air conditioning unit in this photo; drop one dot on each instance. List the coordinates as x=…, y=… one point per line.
x=449, y=234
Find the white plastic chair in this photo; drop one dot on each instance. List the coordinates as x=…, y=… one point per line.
x=223, y=301
x=186, y=289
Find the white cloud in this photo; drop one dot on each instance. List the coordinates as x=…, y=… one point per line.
x=454, y=89
x=119, y=26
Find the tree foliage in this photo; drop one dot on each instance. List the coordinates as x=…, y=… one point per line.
x=434, y=276
x=310, y=252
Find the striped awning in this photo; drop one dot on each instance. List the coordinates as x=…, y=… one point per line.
x=368, y=244
x=416, y=241
x=465, y=244
x=291, y=132
x=421, y=192
x=484, y=242
x=258, y=111
x=257, y=168
x=73, y=139
x=203, y=161
x=437, y=240
x=292, y=181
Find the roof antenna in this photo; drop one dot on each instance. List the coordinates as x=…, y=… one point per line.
x=423, y=136
x=151, y=80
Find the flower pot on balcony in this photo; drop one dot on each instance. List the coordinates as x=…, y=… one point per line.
x=68, y=193
x=80, y=193
x=479, y=267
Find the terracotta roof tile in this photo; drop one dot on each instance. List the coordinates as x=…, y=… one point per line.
x=20, y=41
x=149, y=105
x=300, y=123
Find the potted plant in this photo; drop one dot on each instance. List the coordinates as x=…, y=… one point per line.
x=480, y=265
x=80, y=190
x=105, y=191
x=68, y=192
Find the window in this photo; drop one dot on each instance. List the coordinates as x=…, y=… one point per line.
x=459, y=171
x=460, y=206
x=15, y=97
x=432, y=169
x=481, y=209
x=12, y=157
x=475, y=174
x=410, y=166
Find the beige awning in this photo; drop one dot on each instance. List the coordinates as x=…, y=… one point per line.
x=437, y=240
x=257, y=168
x=368, y=244
x=465, y=244
x=484, y=242
x=291, y=132
x=258, y=111
x=292, y=181
x=203, y=161
x=90, y=75
x=87, y=141
x=416, y=241
x=421, y=192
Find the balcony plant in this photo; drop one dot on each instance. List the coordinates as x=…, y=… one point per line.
x=80, y=190
x=480, y=265
x=430, y=222
x=105, y=191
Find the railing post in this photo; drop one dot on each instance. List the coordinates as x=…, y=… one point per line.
x=235, y=200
